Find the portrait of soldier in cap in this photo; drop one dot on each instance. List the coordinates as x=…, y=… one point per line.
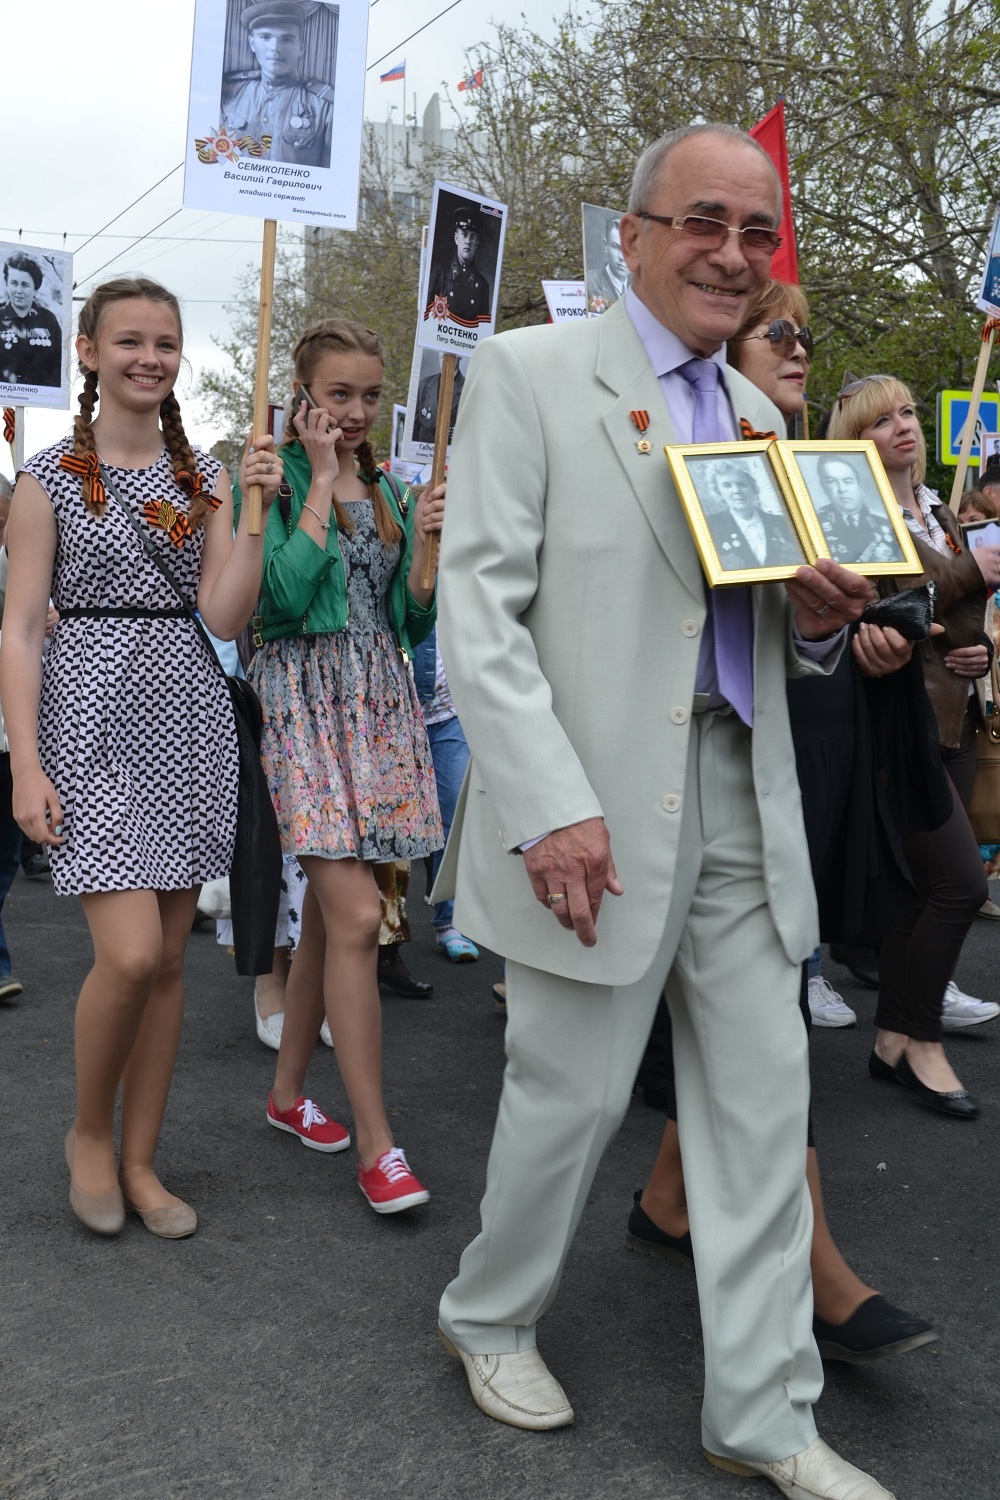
x=454, y=272
x=30, y=335
x=274, y=98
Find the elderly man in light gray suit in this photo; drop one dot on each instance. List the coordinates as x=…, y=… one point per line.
x=630, y=739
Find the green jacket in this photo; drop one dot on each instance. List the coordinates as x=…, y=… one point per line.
x=303, y=586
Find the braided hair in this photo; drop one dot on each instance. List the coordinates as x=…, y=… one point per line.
x=181, y=456
x=342, y=336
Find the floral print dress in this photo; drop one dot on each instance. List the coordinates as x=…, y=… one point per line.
x=344, y=744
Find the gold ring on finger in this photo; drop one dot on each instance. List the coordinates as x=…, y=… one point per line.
x=554, y=897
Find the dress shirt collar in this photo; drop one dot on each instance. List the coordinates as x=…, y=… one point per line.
x=665, y=350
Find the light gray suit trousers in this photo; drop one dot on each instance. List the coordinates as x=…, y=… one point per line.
x=572, y=606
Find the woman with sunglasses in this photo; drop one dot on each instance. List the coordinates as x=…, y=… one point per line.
x=852, y=1321
x=917, y=994
x=773, y=349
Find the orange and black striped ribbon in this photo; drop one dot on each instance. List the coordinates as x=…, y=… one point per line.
x=750, y=434
x=9, y=424
x=992, y=325
x=641, y=419
x=174, y=522
x=194, y=488
x=88, y=467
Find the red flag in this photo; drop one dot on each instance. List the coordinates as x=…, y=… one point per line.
x=474, y=81
x=770, y=133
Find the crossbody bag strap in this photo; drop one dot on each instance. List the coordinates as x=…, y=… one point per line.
x=153, y=554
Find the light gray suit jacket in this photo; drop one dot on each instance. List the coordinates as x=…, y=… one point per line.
x=571, y=606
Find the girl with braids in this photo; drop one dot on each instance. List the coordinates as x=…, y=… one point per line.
x=123, y=748
x=344, y=744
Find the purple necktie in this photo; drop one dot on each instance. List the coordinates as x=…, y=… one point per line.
x=730, y=607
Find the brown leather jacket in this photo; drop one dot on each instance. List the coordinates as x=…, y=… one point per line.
x=961, y=609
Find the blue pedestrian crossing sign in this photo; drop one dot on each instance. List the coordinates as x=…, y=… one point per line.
x=952, y=415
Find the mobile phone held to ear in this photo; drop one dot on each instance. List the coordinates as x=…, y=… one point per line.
x=303, y=401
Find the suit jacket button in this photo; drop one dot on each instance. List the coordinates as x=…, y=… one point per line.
x=671, y=803
x=689, y=627
x=680, y=715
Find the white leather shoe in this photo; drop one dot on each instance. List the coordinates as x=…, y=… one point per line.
x=268, y=1027
x=817, y=1473
x=514, y=1388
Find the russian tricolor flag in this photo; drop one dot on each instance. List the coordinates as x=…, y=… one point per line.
x=475, y=81
x=394, y=75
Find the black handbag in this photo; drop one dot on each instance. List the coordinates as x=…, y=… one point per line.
x=255, y=876
x=911, y=611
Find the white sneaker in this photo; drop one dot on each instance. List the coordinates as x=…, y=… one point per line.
x=962, y=1010
x=324, y=1034
x=826, y=1007
x=268, y=1027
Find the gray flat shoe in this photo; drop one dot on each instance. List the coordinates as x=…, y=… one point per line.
x=173, y=1223
x=104, y=1213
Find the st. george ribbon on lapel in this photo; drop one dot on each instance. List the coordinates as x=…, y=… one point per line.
x=730, y=608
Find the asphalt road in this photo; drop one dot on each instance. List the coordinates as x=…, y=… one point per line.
x=288, y=1349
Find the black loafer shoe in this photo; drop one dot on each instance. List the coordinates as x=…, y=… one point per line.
x=883, y=1071
x=959, y=1104
x=877, y=1330
x=643, y=1236
x=395, y=976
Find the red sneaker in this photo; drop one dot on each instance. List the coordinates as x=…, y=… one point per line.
x=310, y=1125
x=390, y=1185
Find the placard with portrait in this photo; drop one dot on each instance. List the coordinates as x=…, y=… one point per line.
x=276, y=109
x=36, y=325
x=460, y=277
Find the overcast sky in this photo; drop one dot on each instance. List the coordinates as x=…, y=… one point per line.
x=95, y=111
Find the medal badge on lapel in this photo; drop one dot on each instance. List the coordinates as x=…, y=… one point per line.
x=641, y=420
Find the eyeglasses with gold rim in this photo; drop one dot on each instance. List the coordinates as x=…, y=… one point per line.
x=713, y=233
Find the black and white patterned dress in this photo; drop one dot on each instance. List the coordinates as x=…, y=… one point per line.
x=135, y=721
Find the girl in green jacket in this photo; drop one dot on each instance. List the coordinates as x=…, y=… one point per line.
x=344, y=744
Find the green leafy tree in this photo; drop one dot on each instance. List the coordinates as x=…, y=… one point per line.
x=892, y=116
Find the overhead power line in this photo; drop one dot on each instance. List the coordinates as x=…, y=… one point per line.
x=180, y=164
x=131, y=205
x=181, y=239
x=412, y=35
x=135, y=242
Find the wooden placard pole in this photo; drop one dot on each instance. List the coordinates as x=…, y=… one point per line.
x=446, y=389
x=256, y=494
x=986, y=349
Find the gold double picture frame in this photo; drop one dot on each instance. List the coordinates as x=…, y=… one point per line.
x=759, y=510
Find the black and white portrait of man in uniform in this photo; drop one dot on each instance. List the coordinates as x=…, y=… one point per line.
x=854, y=532
x=30, y=335
x=455, y=273
x=276, y=98
x=609, y=280
x=744, y=533
x=425, y=420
